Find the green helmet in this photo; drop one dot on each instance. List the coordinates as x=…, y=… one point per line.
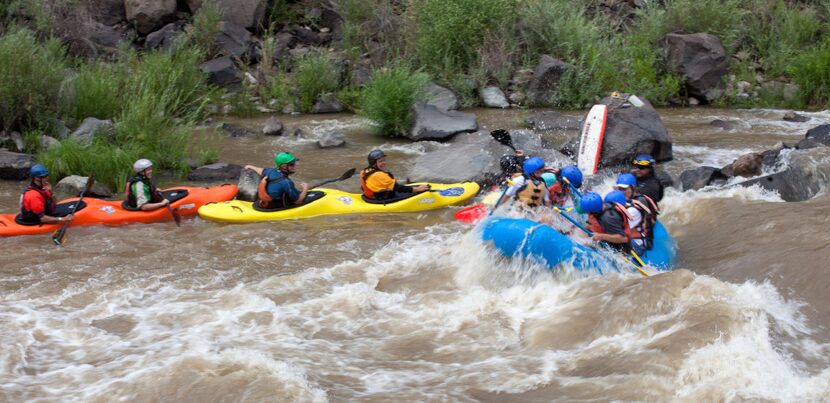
x=284, y=158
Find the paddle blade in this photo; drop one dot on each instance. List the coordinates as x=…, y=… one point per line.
x=90, y=180
x=346, y=175
x=471, y=214
x=176, y=217
x=59, y=236
x=503, y=137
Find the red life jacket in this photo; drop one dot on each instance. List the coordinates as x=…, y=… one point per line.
x=594, y=225
x=559, y=193
x=29, y=216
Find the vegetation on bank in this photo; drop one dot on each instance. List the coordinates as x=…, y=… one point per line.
x=155, y=98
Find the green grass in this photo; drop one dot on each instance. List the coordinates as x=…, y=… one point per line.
x=315, y=75
x=811, y=71
x=110, y=163
x=389, y=95
x=97, y=91
x=205, y=27
x=722, y=18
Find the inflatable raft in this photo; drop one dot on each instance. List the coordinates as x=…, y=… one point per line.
x=336, y=202
x=184, y=199
x=527, y=238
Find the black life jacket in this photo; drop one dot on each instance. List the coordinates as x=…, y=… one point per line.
x=132, y=201
x=263, y=199
x=28, y=216
x=648, y=208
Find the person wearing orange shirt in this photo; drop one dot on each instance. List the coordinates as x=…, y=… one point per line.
x=378, y=184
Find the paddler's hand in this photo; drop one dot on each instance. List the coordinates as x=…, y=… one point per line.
x=303, y=187
x=165, y=203
x=68, y=217
x=420, y=188
x=520, y=153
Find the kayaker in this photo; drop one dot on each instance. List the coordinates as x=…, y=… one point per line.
x=141, y=193
x=557, y=181
x=647, y=183
x=642, y=213
x=276, y=189
x=608, y=219
x=378, y=184
x=37, y=203
x=528, y=186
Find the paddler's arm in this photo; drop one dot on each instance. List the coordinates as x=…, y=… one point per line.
x=256, y=169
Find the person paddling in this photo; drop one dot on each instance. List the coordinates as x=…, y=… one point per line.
x=642, y=212
x=608, y=219
x=141, y=193
x=379, y=184
x=37, y=203
x=528, y=186
x=276, y=189
x=558, y=182
x=647, y=183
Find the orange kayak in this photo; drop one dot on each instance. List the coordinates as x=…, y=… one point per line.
x=185, y=200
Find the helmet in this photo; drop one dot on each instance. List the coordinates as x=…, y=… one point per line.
x=644, y=160
x=626, y=180
x=38, y=171
x=615, y=196
x=374, y=156
x=141, y=165
x=532, y=165
x=591, y=202
x=573, y=175
x=284, y=158
x=549, y=178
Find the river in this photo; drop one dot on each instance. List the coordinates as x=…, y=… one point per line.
x=412, y=307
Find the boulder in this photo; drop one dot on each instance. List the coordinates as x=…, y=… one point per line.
x=108, y=12
x=432, y=123
x=331, y=140
x=700, y=177
x=73, y=185
x=440, y=97
x=273, y=127
x=770, y=158
x=361, y=76
x=91, y=127
x=245, y=13
x=47, y=142
x=248, y=183
x=148, y=15
x=215, y=172
x=222, y=72
x=164, y=39
x=237, y=130
x=235, y=41
x=701, y=59
x=327, y=104
x=794, y=117
x=664, y=178
x=15, y=166
x=723, y=124
x=816, y=137
x=545, y=81
x=106, y=39
x=193, y=5
x=632, y=130
x=285, y=40
x=306, y=36
x=807, y=172
x=552, y=120
x=493, y=97
x=747, y=165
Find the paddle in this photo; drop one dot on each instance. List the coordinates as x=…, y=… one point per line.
x=346, y=175
x=59, y=237
x=503, y=137
x=176, y=217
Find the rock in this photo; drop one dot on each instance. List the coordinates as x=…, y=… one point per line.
x=300, y=133
x=747, y=165
x=47, y=142
x=248, y=183
x=57, y=128
x=769, y=158
x=332, y=19
x=808, y=171
x=215, y=172
x=222, y=72
x=432, y=123
x=245, y=13
x=723, y=124
x=517, y=97
x=693, y=101
x=552, y=120
x=273, y=127
x=816, y=137
x=331, y=140
x=701, y=59
x=193, y=5
x=633, y=130
x=440, y=97
x=285, y=41
x=493, y=97
x=17, y=139
x=91, y=127
x=327, y=104
x=237, y=131
x=15, y=166
x=361, y=76
x=147, y=15
x=109, y=12
x=105, y=39
x=664, y=178
x=306, y=36
x=164, y=39
x=744, y=87
x=73, y=185
x=700, y=177
x=545, y=80
x=794, y=117
x=235, y=41
x=792, y=92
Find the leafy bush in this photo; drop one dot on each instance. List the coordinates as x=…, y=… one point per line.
x=390, y=94
x=97, y=91
x=811, y=71
x=30, y=78
x=31, y=141
x=561, y=29
x=202, y=34
x=315, y=75
x=781, y=33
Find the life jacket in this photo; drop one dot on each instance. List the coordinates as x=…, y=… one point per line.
x=263, y=199
x=132, y=201
x=29, y=216
x=364, y=178
x=559, y=193
x=595, y=226
x=531, y=194
x=648, y=208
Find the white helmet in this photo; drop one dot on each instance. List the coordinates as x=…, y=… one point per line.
x=141, y=165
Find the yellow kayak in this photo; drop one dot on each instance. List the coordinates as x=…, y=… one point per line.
x=332, y=201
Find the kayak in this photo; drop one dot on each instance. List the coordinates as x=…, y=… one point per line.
x=185, y=200
x=336, y=202
x=547, y=246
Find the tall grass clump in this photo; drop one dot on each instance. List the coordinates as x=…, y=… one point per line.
x=202, y=34
x=110, y=163
x=30, y=79
x=315, y=75
x=781, y=33
x=811, y=71
x=390, y=94
x=97, y=91
x=561, y=29
x=722, y=18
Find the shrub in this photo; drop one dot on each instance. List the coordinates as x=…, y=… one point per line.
x=781, y=33
x=30, y=78
x=390, y=94
x=97, y=91
x=561, y=29
x=811, y=71
x=202, y=34
x=110, y=163
x=315, y=75
x=31, y=141
x=722, y=18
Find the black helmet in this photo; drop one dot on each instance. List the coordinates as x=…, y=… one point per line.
x=374, y=156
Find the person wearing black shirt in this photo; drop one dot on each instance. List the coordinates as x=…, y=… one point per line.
x=647, y=183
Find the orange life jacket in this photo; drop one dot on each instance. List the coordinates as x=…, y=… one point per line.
x=263, y=199
x=559, y=193
x=364, y=176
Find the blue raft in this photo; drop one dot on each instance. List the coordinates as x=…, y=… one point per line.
x=528, y=238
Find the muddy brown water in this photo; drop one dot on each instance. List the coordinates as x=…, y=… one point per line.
x=412, y=307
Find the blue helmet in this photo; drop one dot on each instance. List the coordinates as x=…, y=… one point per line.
x=644, y=160
x=38, y=171
x=573, y=175
x=532, y=165
x=615, y=196
x=591, y=202
x=626, y=180
x=549, y=178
